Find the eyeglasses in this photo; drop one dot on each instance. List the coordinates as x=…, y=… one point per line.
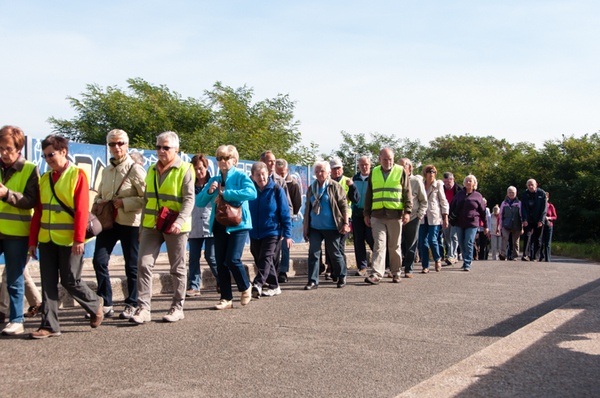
x=50, y=155
x=163, y=147
x=225, y=158
x=114, y=144
x=432, y=171
x=9, y=149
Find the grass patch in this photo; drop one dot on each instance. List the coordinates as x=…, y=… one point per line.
x=586, y=251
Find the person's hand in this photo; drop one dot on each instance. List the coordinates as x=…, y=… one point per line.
x=368, y=221
x=77, y=248
x=522, y=231
x=175, y=229
x=486, y=231
x=117, y=203
x=540, y=225
x=32, y=250
x=349, y=181
x=345, y=229
x=212, y=187
x=406, y=218
x=444, y=221
x=525, y=223
x=3, y=191
x=305, y=235
x=288, y=242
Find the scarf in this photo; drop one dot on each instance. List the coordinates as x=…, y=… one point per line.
x=316, y=204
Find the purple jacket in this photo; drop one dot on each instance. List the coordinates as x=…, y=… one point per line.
x=472, y=212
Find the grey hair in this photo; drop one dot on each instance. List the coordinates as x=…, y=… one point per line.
x=323, y=164
x=448, y=175
x=364, y=157
x=137, y=157
x=511, y=188
x=171, y=136
x=258, y=166
x=534, y=181
x=407, y=162
x=281, y=163
x=471, y=177
x=117, y=133
x=265, y=153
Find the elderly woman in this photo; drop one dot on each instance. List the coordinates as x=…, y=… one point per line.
x=61, y=235
x=200, y=235
x=235, y=187
x=169, y=189
x=18, y=191
x=271, y=223
x=122, y=184
x=469, y=207
x=325, y=218
x=510, y=224
x=436, y=217
x=548, y=228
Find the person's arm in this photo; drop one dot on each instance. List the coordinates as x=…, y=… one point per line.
x=138, y=181
x=294, y=189
x=502, y=206
x=406, y=192
x=422, y=201
x=444, y=205
x=551, y=212
x=284, y=215
x=81, y=199
x=307, y=210
x=188, y=193
x=342, y=203
x=28, y=198
x=353, y=193
x=204, y=197
x=36, y=221
x=247, y=191
x=542, y=219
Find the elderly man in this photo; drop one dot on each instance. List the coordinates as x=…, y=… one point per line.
x=281, y=168
x=534, y=206
x=388, y=205
x=450, y=233
x=362, y=233
x=169, y=188
x=410, y=232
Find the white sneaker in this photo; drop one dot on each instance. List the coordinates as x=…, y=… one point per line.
x=173, y=315
x=272, y=292
x=107, y=310
x=141, y=315
x=13, y=328
x=256, y=291
x=128, y=312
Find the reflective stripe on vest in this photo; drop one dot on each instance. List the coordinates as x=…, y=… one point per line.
x=169, y=195
x=15, y=221
x=56, y=224
x=387, y=193
x=344, y=183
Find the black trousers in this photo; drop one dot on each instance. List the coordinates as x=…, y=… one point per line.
x=263, y=250
x=533, y=237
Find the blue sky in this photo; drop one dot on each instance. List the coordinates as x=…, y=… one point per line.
x=520, y=70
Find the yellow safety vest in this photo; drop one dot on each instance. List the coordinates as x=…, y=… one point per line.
x=15, y=221
x=387, y=193
x=169, y=195
x=57, y=225
x=343, y=183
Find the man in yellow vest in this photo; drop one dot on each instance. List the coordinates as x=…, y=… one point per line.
x=169, y=187
x=388, y=204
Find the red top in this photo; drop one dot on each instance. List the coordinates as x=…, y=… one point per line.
x=82, y=204
x=449, y=194
x=551, y=214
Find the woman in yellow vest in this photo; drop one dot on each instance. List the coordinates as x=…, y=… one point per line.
x=61, y=236
x=18, y=192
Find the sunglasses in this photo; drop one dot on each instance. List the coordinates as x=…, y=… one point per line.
x=163, y=147
x=432, y=171
x=225, y=158
x=114, y=144
x=50, y=155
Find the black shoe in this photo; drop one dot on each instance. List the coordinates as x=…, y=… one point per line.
x=334, y=278
x=310, y=286
x=525, y=258
x=373, y=279
x=327, y=277
x=282, y=277
x=341, y=282
x=502, y=257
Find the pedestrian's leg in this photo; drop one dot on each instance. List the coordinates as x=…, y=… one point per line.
x=195, y=275
x=131, y=245
x=15, y=255
x=176, y=245
x=49, y=271
x=379, y=229
x=105, y=242
x=152, y=240
x=70, y=267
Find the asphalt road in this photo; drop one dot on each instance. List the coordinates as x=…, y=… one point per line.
x=363, y=340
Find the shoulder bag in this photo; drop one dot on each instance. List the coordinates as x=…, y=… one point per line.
x=165, y=217
x=225, y=213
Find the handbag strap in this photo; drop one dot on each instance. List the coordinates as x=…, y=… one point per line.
x=69, y=211
x=122, y=182
x=156, y=188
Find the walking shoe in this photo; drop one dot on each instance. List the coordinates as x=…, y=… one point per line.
x=502, y=257
x=256, y=291
x=13, y=328
x=448, y=261
x=408, y=275
x=218, y=288
x=438, y=266
x=327, y=276
x=108, y=312
x=373, y=279
x=223, y=305
x=282, y=277
x=361, y=272
x=43, y=333
x=192, y=293
x=425, y=271
x=173, y=315
x=388, y=273
x=466, y=269
x=311, y=286
x=272, y=292
x=525, y=258
x=334, y=278
x=341, y=282
x=32, y=311
x=128, y=312
x=396, y=279
x=96, y=319
x=141, y=315
x=246, y=296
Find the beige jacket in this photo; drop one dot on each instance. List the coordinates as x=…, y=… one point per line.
x=419, y=198
x=132, y=191
x=437, y=204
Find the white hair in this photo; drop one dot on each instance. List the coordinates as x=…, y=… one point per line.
x=471, y=177
x=281, y=163
x=171, y=136
x=365, y=157
x=116, y=133
x=511, y=188
x=323, y=164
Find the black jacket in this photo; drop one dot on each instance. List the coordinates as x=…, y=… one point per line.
x=535, y=213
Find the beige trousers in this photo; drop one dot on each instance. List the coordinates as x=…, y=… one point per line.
x=387, y=234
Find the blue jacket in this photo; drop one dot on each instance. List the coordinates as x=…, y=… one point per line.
x=239, y=189
x=270, y=213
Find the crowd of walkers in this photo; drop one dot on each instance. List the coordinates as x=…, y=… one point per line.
x=402, y=217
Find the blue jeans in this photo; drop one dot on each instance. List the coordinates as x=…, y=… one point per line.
x=333, y=241
x=15, y=255
x=466, y=238
x=105, y=243
x=195, y=274
x=228, y=253
x=428, y=238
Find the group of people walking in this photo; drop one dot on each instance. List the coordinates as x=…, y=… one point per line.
x=179, y=204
